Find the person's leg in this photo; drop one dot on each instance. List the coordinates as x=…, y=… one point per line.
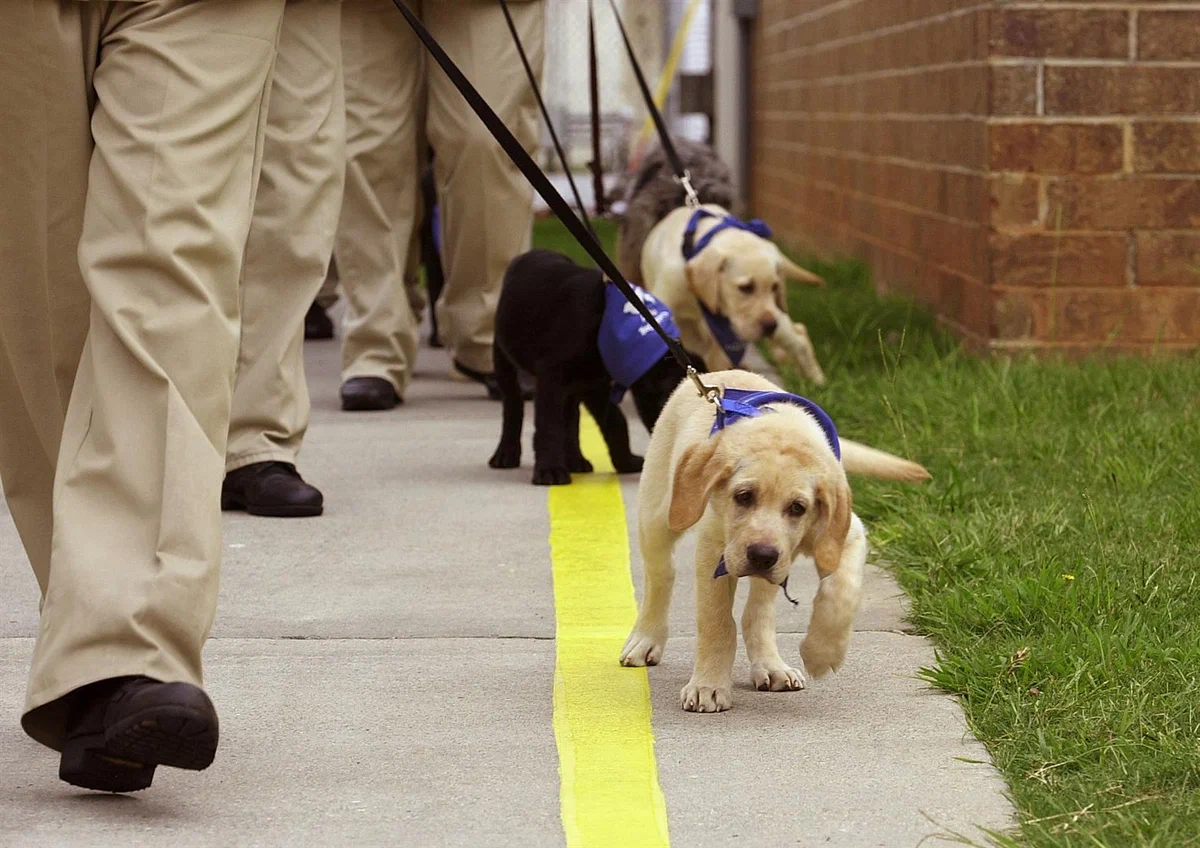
x=46, y=145
x=485, y=203
x=131, y=590
x=317, y=323
x=287, y=255
x=384, y=64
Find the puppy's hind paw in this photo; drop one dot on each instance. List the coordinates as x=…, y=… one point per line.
x=579, y=465
x=643, y=648
x=551, y=476
x=631, y=464
x=506, y=456
x=699, y=698
x=775, y=677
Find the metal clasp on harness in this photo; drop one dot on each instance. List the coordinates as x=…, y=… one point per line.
x=692, y=199
x=710, y=393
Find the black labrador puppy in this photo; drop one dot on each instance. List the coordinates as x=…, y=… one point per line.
x=584, y=343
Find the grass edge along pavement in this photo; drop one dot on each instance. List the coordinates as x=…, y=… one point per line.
x=1053, y=558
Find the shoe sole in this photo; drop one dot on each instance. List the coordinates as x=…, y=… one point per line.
x=357, y=405
x=124, y=758
x=228, y=504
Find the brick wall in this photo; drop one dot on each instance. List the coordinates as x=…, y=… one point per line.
x=1031, y=169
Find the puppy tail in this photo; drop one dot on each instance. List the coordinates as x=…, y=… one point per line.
x=859, y=459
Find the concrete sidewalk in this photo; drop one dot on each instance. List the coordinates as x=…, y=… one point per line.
x=384, y=676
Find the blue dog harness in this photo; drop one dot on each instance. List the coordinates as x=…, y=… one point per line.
x=738, y=404
x=628, y=344
x=719, y=325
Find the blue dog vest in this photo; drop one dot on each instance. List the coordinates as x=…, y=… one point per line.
x=719, y=325
x=628, y=344
x=738, y=404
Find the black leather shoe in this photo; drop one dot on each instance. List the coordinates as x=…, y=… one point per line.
x=364, y=394
x=273, y=489
x=120, y=729
x=317, y=324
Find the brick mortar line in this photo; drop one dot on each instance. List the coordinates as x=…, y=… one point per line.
x=794, y=21
x=1109, y=177
x=1133, y=35
x=971, y=117
x=892, y=29
x=883, y=201
x=1073, y=289
x=1114, y=119
x=900, y=250
x=1069, y=62
x=801, y=147
x=1099, y=6
x=871, y=76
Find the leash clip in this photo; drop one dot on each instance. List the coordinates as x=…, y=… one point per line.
x=692, y=199
x=709, y=393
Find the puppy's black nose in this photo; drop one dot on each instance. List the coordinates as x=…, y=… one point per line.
x=769, y=326
x=761, y=557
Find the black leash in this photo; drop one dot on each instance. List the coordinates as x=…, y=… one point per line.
x=545, y=188
x=681, y=174
x=594, y=97
x=537, y=92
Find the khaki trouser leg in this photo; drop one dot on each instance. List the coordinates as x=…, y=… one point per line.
x=384, y=66
x=176, y=121
x=486, y=204
x=291, y=235
x=328, y=295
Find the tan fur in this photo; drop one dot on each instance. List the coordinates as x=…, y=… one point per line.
x=740, y=488
x=735, y=260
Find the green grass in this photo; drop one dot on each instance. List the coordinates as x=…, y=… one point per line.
x=1053, y=559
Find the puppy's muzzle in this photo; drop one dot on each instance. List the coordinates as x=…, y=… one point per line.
x=761, y=558
x=768, y=327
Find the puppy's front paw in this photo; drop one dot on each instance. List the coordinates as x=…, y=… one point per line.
x=506, y=456
x=551, y=476
x=631, y=464
x=775, y=676
x=701, y=697
x=579, y=465
x=821, y=657
x=644, y=647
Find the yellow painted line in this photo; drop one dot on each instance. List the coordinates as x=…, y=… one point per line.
x=609, y=791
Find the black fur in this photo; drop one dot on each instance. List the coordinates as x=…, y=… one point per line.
x=547, y=321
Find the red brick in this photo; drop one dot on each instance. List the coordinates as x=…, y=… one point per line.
x=1121, y=90
x=1167, y=147
x=1058, y=260
x=1098, y=316
x=1124, y=204
x=1086, y=33
x=1014, y=202
x=1014, y=90
x=1057, y=148
x=1168, y=259
x=1169, y=35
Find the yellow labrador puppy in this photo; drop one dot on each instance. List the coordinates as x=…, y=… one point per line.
x=765, y=484
x=724, y=281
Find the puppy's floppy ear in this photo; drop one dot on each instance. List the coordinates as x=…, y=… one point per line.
x=704, y=277
x=699, y=469
x=780, y=295
x=792, y=271
x=835, y=502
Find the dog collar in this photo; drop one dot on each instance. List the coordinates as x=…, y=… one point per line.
x=722, y=331
x=629, y=347
x=727, y=222
x=722, y=571
x=737, y=404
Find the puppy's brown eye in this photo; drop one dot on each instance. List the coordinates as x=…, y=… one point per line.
x=797, y=509
x=744, y=497
x=746, y=288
